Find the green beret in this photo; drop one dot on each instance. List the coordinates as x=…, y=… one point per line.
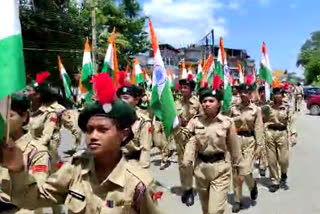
x=190, y=83
x=20, y=103
x=277, y=91
x=246, y=88
x=261, y=88
x=120, y=111
x=132, y=90
x=210, y=93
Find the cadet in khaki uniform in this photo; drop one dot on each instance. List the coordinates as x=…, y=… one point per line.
x=248, y=121
x=101, y=181
x=139, y=148
x=187, y=107
x=235, y=95
x=47, y=120
x=298, y=95
x=161, y=142
x=278, y=123
x=213, y=135
x=36, y=157
x=263, y=160
x=45, y=123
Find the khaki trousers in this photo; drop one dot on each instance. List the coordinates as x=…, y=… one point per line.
x=278, y=153
x=213, y=182
x=186, y=173
x=248, y=145
x=298, y=102
x=160, y=141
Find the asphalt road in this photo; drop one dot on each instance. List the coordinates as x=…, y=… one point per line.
x=303, y=178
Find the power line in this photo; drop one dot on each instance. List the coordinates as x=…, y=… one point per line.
x=55, y=50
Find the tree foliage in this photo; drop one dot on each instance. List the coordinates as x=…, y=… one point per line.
x=309, y=58
x=55, y=27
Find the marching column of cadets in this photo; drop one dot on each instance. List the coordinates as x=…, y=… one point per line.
x=112, y=176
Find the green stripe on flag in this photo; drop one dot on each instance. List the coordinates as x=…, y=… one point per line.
x=163, y=107
x=12, y=70
x=2, y=127
x=86, y=76
x=227, y=96
x=265, y=74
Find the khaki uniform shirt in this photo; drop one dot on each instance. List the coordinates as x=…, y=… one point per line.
x=142, y=130
x=279, y=115
x=298, y=90
x=69, y=119
x=213, y=136
x=44, y=125
x=37, y=162
x=235, y=100
x=127, y=189
x=186, y=109
x=249, y=118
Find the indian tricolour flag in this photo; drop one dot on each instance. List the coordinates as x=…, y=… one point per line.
x=65, y=80
x=137, y=74
x=218, y=76
x=110, y=63
x=162, y=102
x=184, y=73
x=222, y=65
x=199, y=75
x=265, y=71
x=241, y=74
x=87, y=68
x=12, y=70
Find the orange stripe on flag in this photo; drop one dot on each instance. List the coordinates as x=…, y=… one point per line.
x=154, y=42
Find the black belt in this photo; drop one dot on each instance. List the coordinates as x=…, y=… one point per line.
x=6, y=206
x=277, y=127
x=246, y=133
x=211, y=158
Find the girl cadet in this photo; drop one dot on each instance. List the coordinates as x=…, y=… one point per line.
x=36, y=157
x=100, y=180
x=212, y=136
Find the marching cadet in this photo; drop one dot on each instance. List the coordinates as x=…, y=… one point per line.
x=235, y=95
x=161, y=142
x=279, y=130
x=99, y=181
x=298, y=94
x=140, y=146
x=211, y=137
x=36, y=157
x=249, y=126
x=49, y=116
x=263, y=160
x=187, y=107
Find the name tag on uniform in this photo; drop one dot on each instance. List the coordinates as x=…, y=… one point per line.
x=199, y=127
x=76, y=195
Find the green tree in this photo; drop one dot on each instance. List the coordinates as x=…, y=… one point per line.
x=309, y=58
x=55, y=27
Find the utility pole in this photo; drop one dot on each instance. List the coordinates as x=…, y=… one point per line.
x=94, y=36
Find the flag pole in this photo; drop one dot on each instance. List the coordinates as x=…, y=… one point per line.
x=8, y=119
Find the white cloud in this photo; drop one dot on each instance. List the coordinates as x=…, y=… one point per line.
x=185, y=21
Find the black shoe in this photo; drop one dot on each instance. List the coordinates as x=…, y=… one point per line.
x=262, y=172
x=188, y=198
x=254, y=192
x=236, y=207
x=284, y=177
x=274, y=188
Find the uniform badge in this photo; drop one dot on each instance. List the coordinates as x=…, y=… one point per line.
x=53, y=119
x=110, y=203
x=39, y=168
